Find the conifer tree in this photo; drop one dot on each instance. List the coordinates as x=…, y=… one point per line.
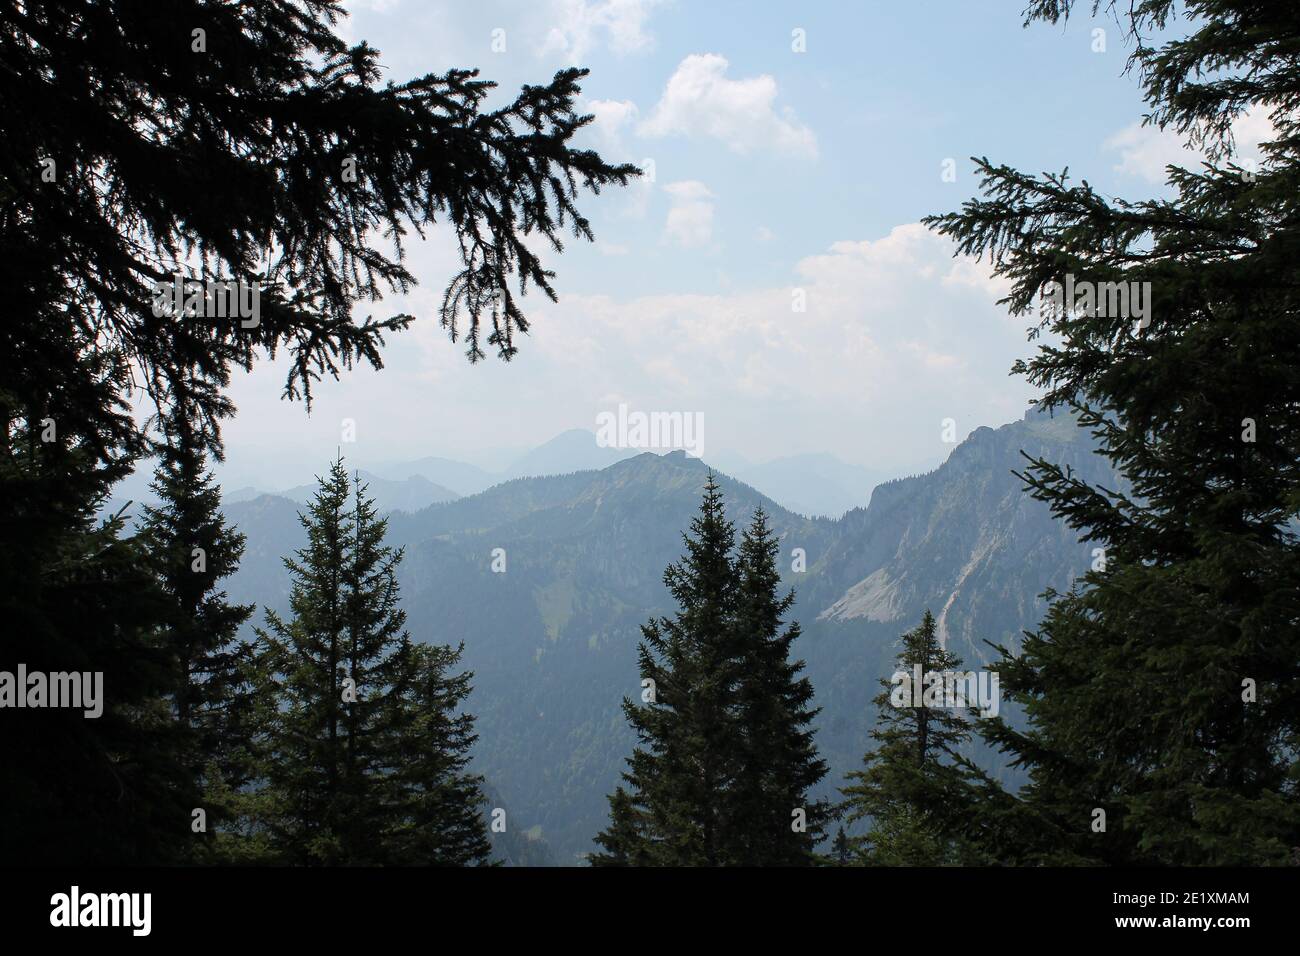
x=376, y=662
x=915, y=778
x=627, y=841
x=77, y=597
x=241, y=143
x=305, y=659
x=364, y=752
x=726, y=756
x=778, y=824
x=191, y=550
x=674, y=810
x=841, y=848
x=1165, y=689
x=440, y=806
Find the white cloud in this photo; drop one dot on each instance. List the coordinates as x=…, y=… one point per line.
x=700, y=100
x=581, y=25
x=638, y=193
x=764, y=234
x=1145, y=151
x=612, y=117
x=690, y=218
x=896, y=337
x=346, y=27
x=688, y=190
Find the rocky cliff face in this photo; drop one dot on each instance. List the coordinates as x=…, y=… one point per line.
x=965, y=540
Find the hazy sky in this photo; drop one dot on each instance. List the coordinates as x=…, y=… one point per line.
x=774, y=171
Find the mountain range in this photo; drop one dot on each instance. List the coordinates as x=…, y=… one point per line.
x=552, y=638
x=810, y=484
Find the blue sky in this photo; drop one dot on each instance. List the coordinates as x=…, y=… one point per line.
x=776, y=173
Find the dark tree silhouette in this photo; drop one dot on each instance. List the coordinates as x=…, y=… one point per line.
x=1165, y=690
x=237, y=143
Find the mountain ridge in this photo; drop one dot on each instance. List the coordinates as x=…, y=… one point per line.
x=551, y=638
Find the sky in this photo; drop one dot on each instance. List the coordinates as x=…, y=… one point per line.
x=793, y=150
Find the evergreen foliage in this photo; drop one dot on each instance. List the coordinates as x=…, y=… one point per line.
x=1165, y=688
x=725, y=756
x=780, y=764
x=363, y=751
x=234, y=142
x=915, y=785
x=191, y=550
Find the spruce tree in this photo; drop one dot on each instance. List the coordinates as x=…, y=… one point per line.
x=778, y=823
x=841, y=848
x=675, y=810
x=77, y=597
x=191, y=550
x=376, y=663
x=1164, y=690
x=364, y=748
x=440, y=806
x=627, y=841
x=915, y=779
x=241, y=143
x=305, y=661
x=726, y=757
